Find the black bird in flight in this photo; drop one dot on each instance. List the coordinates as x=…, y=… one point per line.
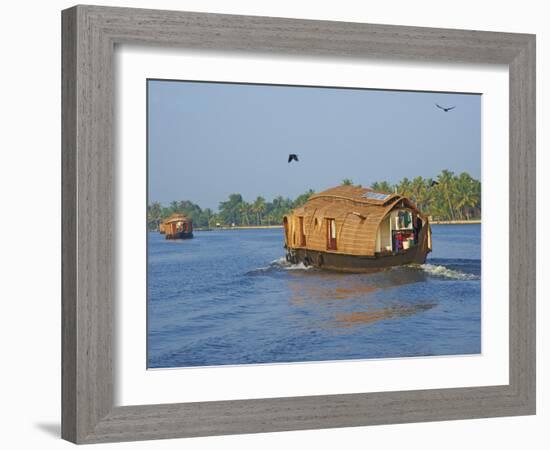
x=445, y=109
x=292, y=157
x=434, y=183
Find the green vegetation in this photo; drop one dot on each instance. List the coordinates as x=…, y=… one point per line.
x=452, y=198
x=234, y=210
x=447, y=197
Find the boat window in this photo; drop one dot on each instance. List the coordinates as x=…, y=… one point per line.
x=331, y=234
x=403, y=220
x=302, y=231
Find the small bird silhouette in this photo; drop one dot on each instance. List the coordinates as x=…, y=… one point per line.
x=292, y=157
x=445, y=109
x=434, y=183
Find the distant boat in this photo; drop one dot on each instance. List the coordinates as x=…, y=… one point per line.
x=355, y=229
x=177, y=226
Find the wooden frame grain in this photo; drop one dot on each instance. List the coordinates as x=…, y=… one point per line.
x=89, y=37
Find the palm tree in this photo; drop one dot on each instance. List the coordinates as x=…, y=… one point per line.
x=214, y=220
x=447, y=187
x=278, y=202
x=154, y=215
x=404, y=187
x=302, y=198
x=205, y=217
x=382, y=186
x=467, y=196
x=258, y=207
x=270, y=219
x=229, y=210
x=419, y=191
x=244, y=210
x=429, y=194
x=174, y=206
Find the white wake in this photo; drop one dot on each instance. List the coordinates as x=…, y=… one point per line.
x=445, y=272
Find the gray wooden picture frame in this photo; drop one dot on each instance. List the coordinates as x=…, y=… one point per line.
x=90, y=34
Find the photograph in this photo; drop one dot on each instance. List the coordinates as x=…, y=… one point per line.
x=303, y=224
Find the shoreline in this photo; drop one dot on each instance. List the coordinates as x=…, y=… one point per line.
x=456, y=222
x=267, y=227
x=239, y=227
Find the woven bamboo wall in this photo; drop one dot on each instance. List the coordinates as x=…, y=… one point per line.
x=357, y=220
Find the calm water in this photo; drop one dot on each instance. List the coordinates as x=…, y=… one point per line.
x=229, y=297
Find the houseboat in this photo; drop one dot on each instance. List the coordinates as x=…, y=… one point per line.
x=355, y=229
x=177, y=226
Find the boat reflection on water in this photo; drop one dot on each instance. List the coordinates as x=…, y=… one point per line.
x=317, y=284
x=359, y=299
x=392, y=312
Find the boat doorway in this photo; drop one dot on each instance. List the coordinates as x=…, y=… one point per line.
x=331, y=234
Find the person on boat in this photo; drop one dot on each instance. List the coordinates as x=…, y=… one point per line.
x=398, y=242
x=417, y=226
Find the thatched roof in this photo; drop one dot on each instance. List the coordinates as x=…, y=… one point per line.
x=358, y=201
x=357, y=194
x=358, y=213
x=176, y=218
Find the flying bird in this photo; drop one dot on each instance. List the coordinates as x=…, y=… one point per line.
x=292, y=157
x=434, y=183
x=445, y=109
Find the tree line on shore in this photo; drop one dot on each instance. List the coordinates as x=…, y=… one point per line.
x=446, y=197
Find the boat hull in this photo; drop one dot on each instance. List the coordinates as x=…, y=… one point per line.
x=179, y=235
x=342, y=262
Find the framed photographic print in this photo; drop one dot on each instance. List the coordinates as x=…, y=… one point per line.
x=268, y=222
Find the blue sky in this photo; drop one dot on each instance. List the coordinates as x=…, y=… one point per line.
x=208, y=140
